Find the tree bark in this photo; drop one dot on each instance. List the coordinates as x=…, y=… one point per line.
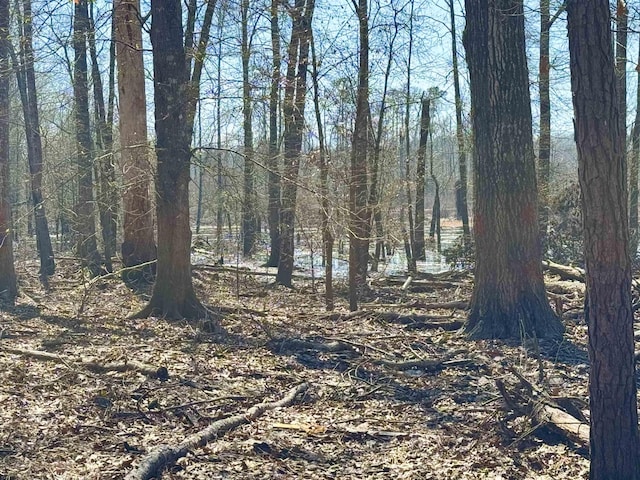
x=425, y=121
x=85, y=226
x=138, y=244
x=293, y=110
x=249, y=200
x=273, y=186
x=544, y=141
x=173, y=295
x=8, y=282
x=358, y=211
x=614, y=440
x=509, y=298
x=634, y=167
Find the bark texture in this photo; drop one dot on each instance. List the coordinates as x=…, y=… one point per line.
x=609, y=315
x=509, y=298
x=358, y=211
x=8, y=284
x=138, y=244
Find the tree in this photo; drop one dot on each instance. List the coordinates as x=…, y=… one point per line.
x=173, y=295
x=614, y=439
x=273, y=181
x=358, y=211
x=293, y=111
x=249, y=194
x=8, y=283
x=461, y=191
x=509, y=299
x=425, y=120
x=26, y=79
x=105, y=171
x=138, y=245
x=85, y=228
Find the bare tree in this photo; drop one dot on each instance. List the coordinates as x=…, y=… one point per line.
x=138, y=245
x=293, y=111
x=85, y=229
x=8, y=283
x=26, y=79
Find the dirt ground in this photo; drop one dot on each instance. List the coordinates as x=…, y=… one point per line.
x=78, y=401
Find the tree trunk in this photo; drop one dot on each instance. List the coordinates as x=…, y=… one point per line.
x=105, y=171
x=138, y=245
x=614, y=440
x=85, y=226
x=173, y=295
x=425, y=120
x=461, y=190
x=359, y=218
x=249, y=201
x=327, y=235
x=509, y=298
x=544, y=141
x=25, y=74
x=633, y=174
x=8, y=283
x=411, y=251
x=273, y=186
x=293, y=110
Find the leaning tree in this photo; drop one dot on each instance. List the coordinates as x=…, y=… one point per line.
x=509, y=299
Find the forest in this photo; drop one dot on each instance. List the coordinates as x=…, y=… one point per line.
x=319, y=239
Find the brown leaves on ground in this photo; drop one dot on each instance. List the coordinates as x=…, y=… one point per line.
x=391, y=395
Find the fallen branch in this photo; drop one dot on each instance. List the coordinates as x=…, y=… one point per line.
x=422, y=322
x=92, y=364
x=166, y=455
x=565, y=272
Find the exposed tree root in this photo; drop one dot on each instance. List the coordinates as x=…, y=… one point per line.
x=166, y=455
x=91, y=364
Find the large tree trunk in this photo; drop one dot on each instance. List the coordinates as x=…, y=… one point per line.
x=509, y=298
x=614, y=440
x=273, y=186
x=138, y=244
x=173, y=294
x=359, y=218
x=8, y=283
x=25, y=74
x=249, y=200
x=293, y=110
x=425, y=120
x=461, y=190
x=85, y=226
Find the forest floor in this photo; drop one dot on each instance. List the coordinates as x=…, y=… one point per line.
x=391, y=391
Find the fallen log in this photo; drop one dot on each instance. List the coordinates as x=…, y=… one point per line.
x=91, y=364
x=422, y=322
x=565, y=272
x=166, y=455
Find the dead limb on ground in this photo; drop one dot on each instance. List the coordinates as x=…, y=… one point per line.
x=166, y=455
x=91, y=364
x=560, y=415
